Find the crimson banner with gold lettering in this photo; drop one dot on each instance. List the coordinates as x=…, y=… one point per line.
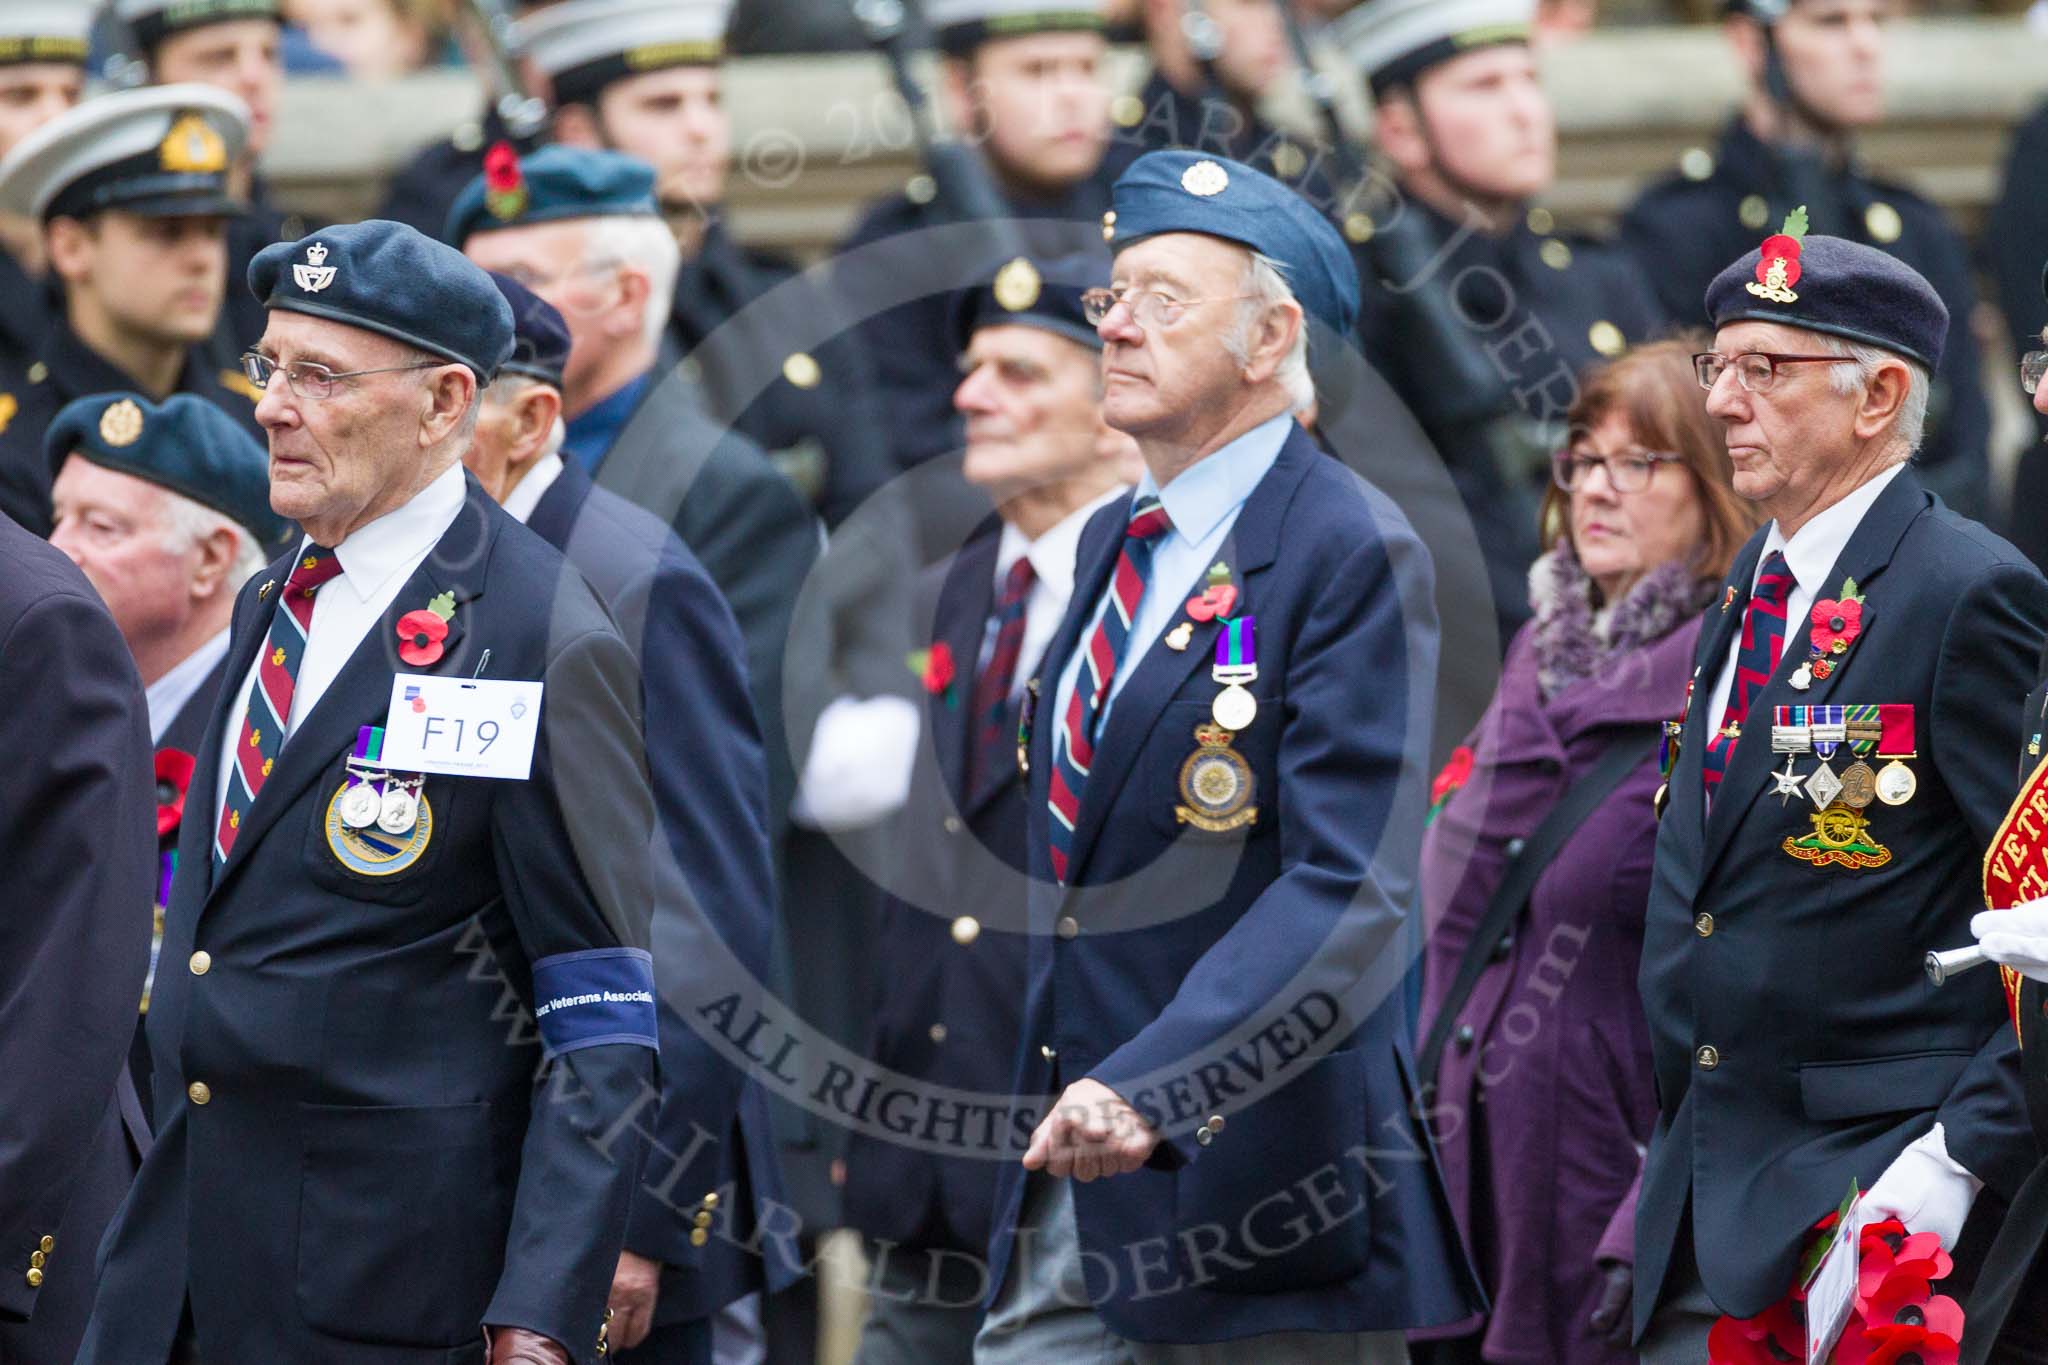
x=2016, y=864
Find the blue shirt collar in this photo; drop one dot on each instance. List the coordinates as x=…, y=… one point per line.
x=592, y=434
x=1206, y=492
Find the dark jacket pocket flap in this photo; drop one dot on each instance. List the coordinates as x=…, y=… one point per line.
x=1879, y=1085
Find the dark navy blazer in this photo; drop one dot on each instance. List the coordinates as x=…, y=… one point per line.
x=712, y=933
x=382, y=1165
x=78, y=815
x=1832, y=1053
x=1253, y=977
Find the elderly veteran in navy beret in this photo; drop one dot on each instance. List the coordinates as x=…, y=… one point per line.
x=1224, y=747
x=363, y=1149
x=1844, y=759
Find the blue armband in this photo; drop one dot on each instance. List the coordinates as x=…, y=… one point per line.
x=598, y=996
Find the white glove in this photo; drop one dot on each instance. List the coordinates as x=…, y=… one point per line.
x=1926, y=1189
x=858, y=770
x=2016, y=938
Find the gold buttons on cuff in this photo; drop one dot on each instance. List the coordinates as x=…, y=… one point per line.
x=1068, y=927
x=202, y=962
x=702, y=1218
x=711, y=1200
x=198, y=1092
x=1703, y=924
x=1708, y=1057
x=698, y=1237
x=35, y=1279
x=966, y=929
x=47, y=1245
x=37, y=1259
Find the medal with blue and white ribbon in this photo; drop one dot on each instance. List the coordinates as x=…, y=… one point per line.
x=1237, y=663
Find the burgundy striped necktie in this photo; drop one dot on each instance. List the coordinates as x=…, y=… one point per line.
x=993, y=727
x=1756, y=659
x=270, y=700
x=1073, y=743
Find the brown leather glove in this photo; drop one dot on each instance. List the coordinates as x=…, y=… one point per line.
x=517, y=1346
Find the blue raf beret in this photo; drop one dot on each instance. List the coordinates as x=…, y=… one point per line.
x=1842, y=288
x=1028, y=293
x=393, y=280
x=1181, y=191
x=540, y=339
x=554, y=183
x=185, y=444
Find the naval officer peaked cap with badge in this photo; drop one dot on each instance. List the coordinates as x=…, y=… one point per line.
x=152, y=21
x=960, y=26
x=53, y=31
x=1393, y=41
x=393, y=922
x=585, y=45
x=1824, y=831
x=185, y=444
x=163, y=152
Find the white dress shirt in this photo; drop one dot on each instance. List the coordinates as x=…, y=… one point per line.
x=1202, y=502
x=1810, y=554
x=167, y=695
x=376, y=561
x=527, y=493
x=1052, y=571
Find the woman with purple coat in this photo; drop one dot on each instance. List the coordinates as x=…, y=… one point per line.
x=1543, y=1102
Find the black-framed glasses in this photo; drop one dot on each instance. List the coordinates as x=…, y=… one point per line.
x=1756, y=371
x=2033, y=369
x=1149, y=308
x=310, y=381
x=1628, y=472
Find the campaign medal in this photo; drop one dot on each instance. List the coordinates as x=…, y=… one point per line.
x=1215, y=784
x=373, y=852
x=400, y=808
x=1787, y=782
x=1237, y=663
x=1859, y=786
x=1896, y=784
x=363, y=798
x=1841, y=837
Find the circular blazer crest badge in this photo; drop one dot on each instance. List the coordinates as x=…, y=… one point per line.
x=1215, y=785
x=371, y=852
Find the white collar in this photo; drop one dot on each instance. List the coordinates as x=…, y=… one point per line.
x=1052, y=554
x=167, y=695
x=401, y=537
x=527, y=493
x=1813, y=549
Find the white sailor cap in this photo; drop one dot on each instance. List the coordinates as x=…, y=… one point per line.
x=960, y=26
x=1394, y=41
x=46, y=31
x=161, y=152
x=151, y=21
x=585, y=45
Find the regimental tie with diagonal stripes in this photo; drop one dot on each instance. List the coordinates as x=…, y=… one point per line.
x=1073, y=742
x=270, y=700
x=1763, y=644
x=994, y=725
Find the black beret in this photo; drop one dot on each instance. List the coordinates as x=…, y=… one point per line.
x=394, y=280
x=1027, y=293
x=1842, y=288
x=185, y=444
x=540, y=339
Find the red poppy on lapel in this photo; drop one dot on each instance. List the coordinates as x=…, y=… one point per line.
x=173, y=776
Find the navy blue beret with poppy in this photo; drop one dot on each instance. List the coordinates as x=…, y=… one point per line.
x=553, y=183
x=185, y=444
x=540, y=338
x=391, y=279
x=1042, y=293
x=1835, y=286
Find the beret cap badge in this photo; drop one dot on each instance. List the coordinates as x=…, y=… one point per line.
x=505, y=194
x=121, y=424
x=1779, y=269
x=192, y=147
x=1205, y=179
x=1017, y=285
x=315, y=274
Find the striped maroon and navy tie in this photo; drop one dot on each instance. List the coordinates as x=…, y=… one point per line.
x=1073, y=743
x=1763, y=644
x=270, y=700
x=993, y=724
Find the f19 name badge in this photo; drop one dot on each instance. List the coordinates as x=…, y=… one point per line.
x=462, y=727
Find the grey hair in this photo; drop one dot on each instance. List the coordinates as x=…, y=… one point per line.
x=509, y=388
x=646, y=244
x=1861, y=366
x=1265, y=284
x=186, y=523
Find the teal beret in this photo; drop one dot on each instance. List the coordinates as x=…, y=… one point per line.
x=553, y=183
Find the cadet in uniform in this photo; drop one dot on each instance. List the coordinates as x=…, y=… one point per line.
x=1815, y=79
x=642, y=77
x=948, y=993
x=1472, y=141
x=131, y=192
x=710, y=792
x=43, y=47
x=236, y=46
x=1842, y=764
x=365, y=1151
x=1025, y=77
x=1221, y=850
x=77, y=814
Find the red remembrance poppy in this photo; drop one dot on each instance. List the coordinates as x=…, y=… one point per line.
x=938, y=668
x=173, y=777
x=501, y=167
x=1457, y=771
x=1836, y=625
x=420, y=634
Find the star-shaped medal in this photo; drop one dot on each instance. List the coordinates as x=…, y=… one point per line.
x=1788, y=783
